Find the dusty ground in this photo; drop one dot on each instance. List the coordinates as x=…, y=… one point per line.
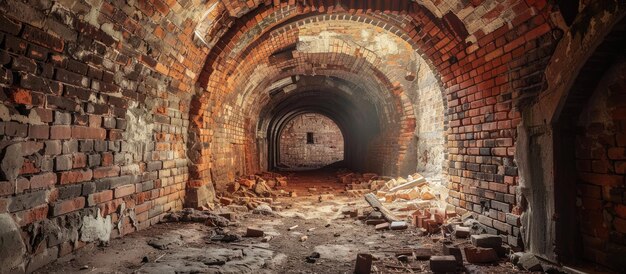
x=338, y=239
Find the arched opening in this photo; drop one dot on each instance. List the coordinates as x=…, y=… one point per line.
x=309, y=141
x=371, y=81
x=589, y=139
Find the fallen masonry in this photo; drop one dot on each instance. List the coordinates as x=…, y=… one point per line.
x=272, y=231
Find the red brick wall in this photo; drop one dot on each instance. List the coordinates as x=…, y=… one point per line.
x=327, y=146
x=601, y=164
x=93, y=117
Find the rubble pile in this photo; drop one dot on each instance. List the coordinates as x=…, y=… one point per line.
x=413, y=200
x=414, y=187
x=254, y=190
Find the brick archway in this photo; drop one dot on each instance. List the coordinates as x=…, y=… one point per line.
x=552, y=137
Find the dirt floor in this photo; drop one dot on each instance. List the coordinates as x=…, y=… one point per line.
x=189, y=247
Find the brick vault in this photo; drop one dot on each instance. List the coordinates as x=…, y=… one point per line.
x=115, y=113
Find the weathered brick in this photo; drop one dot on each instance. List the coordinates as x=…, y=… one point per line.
x=79, y=160
x=89, y=188
x=62, y=103
x=60, y=132
x=79, y=132
x=70, y=192
x=23, y=64
x=27, y=200
x=124, y=190
x=62, y=118
x=100, y=197
x=63, y=162
x=75, y=176
x=52, y=147
x=38, y=131
x=103, y=172
x=10, y=26
x=67, y=206
x=15, y=129
x=44, y=180
x=93, y=160
x=42, y=38
x=31, y=215
x=70, y=146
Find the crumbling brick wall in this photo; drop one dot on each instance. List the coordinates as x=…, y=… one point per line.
x=94, y=100
x=601, y=165
x=326, y=146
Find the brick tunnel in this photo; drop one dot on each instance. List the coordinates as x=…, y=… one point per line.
x=118, y=115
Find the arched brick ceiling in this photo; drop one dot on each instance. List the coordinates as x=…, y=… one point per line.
x=372, y=51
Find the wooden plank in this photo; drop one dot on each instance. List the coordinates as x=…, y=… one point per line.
x=373, y=201
x=416, y=182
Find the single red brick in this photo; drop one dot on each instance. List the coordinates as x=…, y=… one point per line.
x=80, y=132
x=124, y=191
x=107, y=159
x=103, y=172
x=43, y=180
x=31, y=215
x=38, y=131
x=60, y=132
x=75, y=176
x=100, y=197
x=68, y=206
x=79, y=160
